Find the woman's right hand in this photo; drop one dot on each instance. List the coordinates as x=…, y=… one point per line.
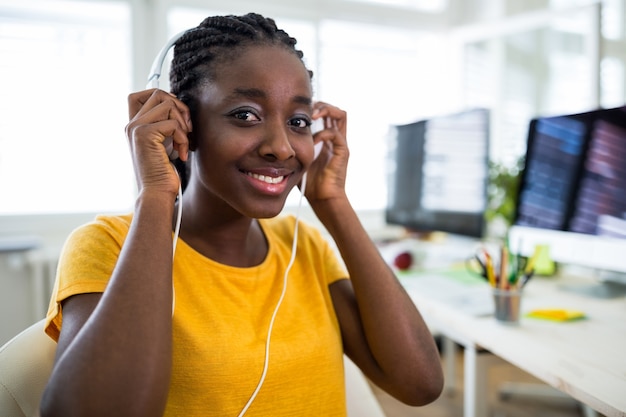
x=154, y=116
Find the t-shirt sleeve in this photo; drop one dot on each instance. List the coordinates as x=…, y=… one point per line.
x=85, y=266
x=335, y=268
x=324, y=254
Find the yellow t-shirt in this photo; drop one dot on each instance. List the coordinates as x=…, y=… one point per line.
x=221, y=321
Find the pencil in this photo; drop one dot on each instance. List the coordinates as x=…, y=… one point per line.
x=491, y=276
x=504, y=267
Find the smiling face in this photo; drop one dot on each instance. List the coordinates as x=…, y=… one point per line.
x=251, y=132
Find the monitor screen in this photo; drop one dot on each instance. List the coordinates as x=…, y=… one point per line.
x=438, y=173
x=572, y=193
x=574, y=177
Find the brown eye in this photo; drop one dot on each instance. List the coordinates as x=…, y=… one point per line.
x=300, y=122
x=246, y=116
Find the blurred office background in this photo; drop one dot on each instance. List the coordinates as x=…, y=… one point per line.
x=68, y=65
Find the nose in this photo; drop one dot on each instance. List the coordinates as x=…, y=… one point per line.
x=276, y=144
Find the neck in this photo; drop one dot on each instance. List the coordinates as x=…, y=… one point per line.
x=218, y=231
x=239, y=242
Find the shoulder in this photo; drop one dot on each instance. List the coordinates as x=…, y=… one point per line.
x=119, y=223
x=110, y=223
x=317, y=254
x=102, y=229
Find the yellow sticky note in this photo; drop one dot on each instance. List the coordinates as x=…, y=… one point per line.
x=557, y=314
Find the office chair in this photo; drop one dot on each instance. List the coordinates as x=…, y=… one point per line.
x=25, y=366
x=26, y=363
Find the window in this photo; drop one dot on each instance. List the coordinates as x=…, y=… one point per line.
x=540, y=67
x=68, y=66
x=423, y=5
x=381, y=75
x=66, y=79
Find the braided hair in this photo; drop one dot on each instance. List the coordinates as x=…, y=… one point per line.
x=216, y=40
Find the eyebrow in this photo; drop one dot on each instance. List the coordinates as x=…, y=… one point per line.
x=248, y=93
x=258, y=93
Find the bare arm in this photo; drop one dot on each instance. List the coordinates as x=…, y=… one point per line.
x=383, y=331
x=114, y=351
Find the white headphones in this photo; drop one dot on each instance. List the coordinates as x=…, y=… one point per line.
x=153, y=82
x=157, y=64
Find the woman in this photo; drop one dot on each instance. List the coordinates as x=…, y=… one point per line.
x=252, y=330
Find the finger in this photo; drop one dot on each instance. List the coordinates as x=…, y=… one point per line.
x=333, y=116
x=181, y=145
x=157, y=133
x=136, y=101
x=328, y=109
x=165, y=111
x=177, y=146
x=142, y=102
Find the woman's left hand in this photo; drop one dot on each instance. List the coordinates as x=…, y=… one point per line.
x=326, y=177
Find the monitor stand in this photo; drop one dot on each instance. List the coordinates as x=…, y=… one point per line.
x=610, y=285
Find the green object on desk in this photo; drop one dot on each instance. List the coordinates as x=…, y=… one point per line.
x=459, y=274
x=543, y=263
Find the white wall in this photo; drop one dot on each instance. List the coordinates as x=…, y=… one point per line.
x=24, y=281
x=15, y=296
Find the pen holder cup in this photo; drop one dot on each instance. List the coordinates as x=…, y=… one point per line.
x=507, y=305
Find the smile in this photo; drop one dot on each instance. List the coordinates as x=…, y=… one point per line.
x=266, y=178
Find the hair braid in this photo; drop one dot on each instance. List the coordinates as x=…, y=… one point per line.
x=216, y=39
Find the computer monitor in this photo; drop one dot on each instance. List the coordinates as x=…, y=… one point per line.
x=572, y=193
x=438, y=173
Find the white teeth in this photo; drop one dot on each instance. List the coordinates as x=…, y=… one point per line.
x=267, y=179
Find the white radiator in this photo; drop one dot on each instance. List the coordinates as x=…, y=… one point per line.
x=42, y=269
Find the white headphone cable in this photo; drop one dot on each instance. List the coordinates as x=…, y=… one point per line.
x=179, y=217
x=294, y=246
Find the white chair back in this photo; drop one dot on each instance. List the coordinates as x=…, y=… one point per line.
x=25, y=365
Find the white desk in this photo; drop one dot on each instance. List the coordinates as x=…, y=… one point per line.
x=585, y=359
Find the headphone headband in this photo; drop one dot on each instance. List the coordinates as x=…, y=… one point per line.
x=157, y=65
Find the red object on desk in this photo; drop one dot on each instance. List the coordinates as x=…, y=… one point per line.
x=403, y=261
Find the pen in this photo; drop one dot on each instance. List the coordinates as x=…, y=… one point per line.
x=483, y=268
x=518, y=269
x=514, y=273
x=526, y=277
x=489, y=267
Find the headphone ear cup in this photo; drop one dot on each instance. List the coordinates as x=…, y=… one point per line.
x=317, y=149
x=192, y=141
